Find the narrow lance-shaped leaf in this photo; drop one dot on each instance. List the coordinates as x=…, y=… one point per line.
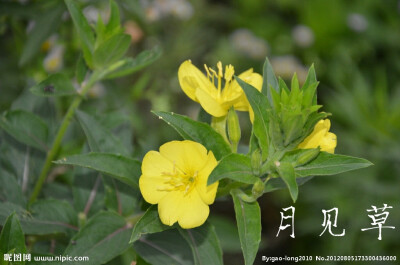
x=260, y=106
x=196, y=131
x=287, y=173
x=311, y=79
x=111, y=50
x=248, y=218
x=12, y=238
x=234, y=166
x=269, y=81
x=131, y=65
x=120, y=167
x=149, y=223
x=204, y=244
x=25, y=127
x=278, y=183
x=331, y=164
x=84, y=30
x=54, y=85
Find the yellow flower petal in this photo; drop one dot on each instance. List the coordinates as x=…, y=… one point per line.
x=321, y=137
x=193, y=211
x=210, y=104
x=152, y=188
x=188, y=156
x=191, y=79
x=207, y=193
x=169, y=207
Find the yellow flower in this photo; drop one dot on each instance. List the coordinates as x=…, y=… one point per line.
x=208, y=90
x=321, y=137
x=176, y=179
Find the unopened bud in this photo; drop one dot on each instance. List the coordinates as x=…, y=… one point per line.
x=258, y=188
x=82, y=219
x=233, y=128
x=256, y=161
x=306, y=156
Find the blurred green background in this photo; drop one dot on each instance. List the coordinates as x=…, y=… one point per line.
x=354, y=45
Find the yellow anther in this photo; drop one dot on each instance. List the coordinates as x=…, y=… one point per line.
x=229, y=71
x=208, y=72
x=219, y=66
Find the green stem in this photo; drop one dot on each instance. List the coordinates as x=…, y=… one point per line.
x=59, y=137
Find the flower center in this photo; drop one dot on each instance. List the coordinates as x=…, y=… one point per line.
x=212, y=75
x=177, y=180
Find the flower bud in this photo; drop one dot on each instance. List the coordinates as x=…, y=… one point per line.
x=306, y=156
x=233, y=128
x=256, y=161
x=258, y=189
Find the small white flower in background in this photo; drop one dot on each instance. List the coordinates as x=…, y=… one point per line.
x=158, y=9
x=303, y=36
x=285, y=66
x=357, y=22
x=92, y=14
x=245, y=42
x=54, y=60
x=49, y=43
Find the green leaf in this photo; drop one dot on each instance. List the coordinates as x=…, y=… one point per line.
x=54, y=85
x=310, y=79
x=233, y=166
x=120, y=167
x=131, y=65
x=81, y=70
x=10, y=190
x=111, y=50
x=167, y=247
x=114, y=22
x=269, y=81
x=104, y=237
x=196, y=131
x=331, y=164
x=149, y=223
x=287, y=173
x=227, y=233
x=204, y=244
x=25, y=127
x=248, y=218
x=12, y=238
x=84, y=30
x=278, y=183
x=100, y=139
x=46, y=23
x=260, y=106
x=44, y=217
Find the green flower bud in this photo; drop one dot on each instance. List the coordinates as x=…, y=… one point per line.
x=256, y=160
x=233, y=128
x=82, y=219
x=306, y=156
x=258, y=188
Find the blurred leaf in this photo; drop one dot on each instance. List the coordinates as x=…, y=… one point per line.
x=131, y=65
x=84, y=30
x=120, y=167
x=100, y=139
x=204, y=244
x=45, y=24
x=233, y=166
x=287, y=173
x=111, y=50
x=227, y=233
x=149, y=223
x=196, y=131
x=104, y=237
x=248, y=218
x=10, y=190
x=12, y=238
x=81, y=70
x=54, y=85
x=331, y=164
x=269, y=81
x=25, y=127
x=114, y=21
x=260, y=106
x=44, y=217
x=278, y=183
x=167, y=247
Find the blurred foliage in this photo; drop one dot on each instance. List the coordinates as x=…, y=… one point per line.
x=355, y=46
